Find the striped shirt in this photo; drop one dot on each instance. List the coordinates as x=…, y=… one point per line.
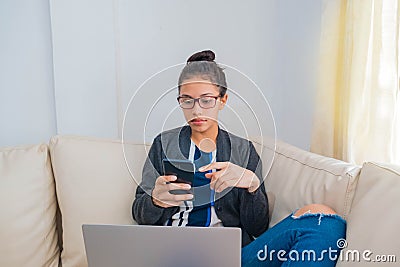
x=200, y=211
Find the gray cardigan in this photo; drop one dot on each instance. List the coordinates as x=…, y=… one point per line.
x=235, y=207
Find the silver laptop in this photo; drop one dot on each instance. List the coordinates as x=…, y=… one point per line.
x=161, y=246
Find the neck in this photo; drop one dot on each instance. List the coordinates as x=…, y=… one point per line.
x=212, y=134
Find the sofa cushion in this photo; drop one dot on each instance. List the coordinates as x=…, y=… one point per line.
x=28, y=206
x=298, y=178
x=93, y=186
x=374, y=218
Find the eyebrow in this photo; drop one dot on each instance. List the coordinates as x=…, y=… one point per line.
x=200, y=95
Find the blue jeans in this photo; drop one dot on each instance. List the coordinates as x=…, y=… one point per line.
x=308, y=240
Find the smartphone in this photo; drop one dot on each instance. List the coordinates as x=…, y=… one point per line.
x=184, y=171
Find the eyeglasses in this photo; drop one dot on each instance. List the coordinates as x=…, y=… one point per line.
x=205, y=102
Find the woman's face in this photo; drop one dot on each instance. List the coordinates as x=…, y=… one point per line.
x=201, y=119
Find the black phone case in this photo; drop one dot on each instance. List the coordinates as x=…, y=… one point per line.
x=183, y=170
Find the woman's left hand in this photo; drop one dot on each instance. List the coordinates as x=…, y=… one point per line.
x=230, y=175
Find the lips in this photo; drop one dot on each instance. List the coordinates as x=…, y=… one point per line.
x=198, y=120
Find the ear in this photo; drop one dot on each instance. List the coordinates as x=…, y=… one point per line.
x=223, y=101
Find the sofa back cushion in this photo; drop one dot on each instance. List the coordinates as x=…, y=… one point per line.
x=28, y=206
x=374, y=218
x=298, y=178
x=93, y=185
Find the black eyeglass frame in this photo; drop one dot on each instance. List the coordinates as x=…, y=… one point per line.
x=198, y=101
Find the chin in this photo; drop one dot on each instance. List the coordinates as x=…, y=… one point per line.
x=200, y=129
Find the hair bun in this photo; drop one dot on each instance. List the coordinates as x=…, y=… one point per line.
x=206, y=55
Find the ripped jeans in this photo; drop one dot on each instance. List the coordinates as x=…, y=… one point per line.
x=308, y=240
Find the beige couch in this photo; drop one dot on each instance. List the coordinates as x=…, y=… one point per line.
x=86, y=179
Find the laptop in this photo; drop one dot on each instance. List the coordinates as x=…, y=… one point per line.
x=161, y=246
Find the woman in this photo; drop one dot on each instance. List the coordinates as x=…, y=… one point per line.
x=228, y=174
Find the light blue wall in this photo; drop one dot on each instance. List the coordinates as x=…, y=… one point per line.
x=27, y=110
x=84, y=67
x=294, y=68
x=103, y=50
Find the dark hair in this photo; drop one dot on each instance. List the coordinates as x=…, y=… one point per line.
x=202, y=64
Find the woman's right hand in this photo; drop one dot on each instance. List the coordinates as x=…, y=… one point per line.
x=161, y=195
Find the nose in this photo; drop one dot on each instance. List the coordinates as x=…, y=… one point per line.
x=196, y=110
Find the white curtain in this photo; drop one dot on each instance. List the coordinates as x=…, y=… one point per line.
x=358, y=103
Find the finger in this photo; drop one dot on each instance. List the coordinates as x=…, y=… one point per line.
x=209, y=175
x=177, y=186
x=214, y=165
x=222, y=186
x=172, y=199
x=218, y=174
x=224, y=182
x=216, y=184
x=213, y=182
x=165, y=179
x=180, y=198
x=214, y=177
x=161, y=200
